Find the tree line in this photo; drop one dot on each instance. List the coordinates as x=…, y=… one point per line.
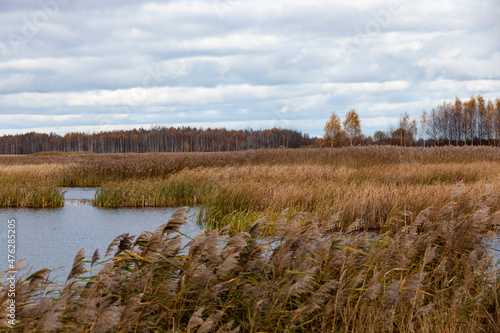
x=157, y=139
x=471, y=122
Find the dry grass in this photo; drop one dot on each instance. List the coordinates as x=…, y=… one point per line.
x=428, y=271
x=373, y=184
x=38, y=196
x=125, y=166
x=30, y=185
x=434, y=275
x=149, y=193
x=376, y=195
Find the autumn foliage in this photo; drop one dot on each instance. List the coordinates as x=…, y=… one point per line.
x=352, y=127
x=334, y=135
x=350, y=134
x=158, y=139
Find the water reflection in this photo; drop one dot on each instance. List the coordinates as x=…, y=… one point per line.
x=77, y=202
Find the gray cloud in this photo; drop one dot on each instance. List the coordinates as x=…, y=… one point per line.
x=73, y=65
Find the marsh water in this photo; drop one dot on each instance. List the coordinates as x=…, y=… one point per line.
x=51, y=237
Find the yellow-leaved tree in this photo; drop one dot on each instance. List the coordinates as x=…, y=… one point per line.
x=333, y=132
x=352, y=126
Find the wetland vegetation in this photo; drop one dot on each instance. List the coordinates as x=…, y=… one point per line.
x=289, y=246
x=373, y=184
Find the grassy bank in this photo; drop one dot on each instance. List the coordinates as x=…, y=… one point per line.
x=149, y=193
x=33, y=197
x=433, y=275
x=31, y=185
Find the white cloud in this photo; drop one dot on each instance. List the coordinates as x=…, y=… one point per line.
x=308, y=93
x=242, y=62
x=39, y=117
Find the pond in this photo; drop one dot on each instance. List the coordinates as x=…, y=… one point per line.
x=52, y=237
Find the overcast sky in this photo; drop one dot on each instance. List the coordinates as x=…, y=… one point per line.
x=68, y=65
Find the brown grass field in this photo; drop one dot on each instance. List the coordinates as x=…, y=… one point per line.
x=301, y=255
x=373, y=184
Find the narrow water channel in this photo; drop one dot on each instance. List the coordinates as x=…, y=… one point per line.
x=51, y=237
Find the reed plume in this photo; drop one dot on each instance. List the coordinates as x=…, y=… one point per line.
x=78, y=264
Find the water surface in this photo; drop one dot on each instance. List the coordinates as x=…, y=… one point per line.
x=51, y=237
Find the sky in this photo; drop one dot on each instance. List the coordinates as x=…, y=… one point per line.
x=90, y=66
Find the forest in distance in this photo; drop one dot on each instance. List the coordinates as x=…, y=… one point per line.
x=157, y=139
x=472, y=122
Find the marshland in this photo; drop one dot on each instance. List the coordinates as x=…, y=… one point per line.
x=355, y=239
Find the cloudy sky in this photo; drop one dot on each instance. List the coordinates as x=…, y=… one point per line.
x=68, y=65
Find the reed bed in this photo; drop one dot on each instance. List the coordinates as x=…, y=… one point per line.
x=149, y=193
x=239, y=194
x=31, y=197
x=370, y=183
x=435, y=274
x=94, y=169
x=30, y=186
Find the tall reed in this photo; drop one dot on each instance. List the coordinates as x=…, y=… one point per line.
x=435, y=274
x=376, y=195
x=30, y=186
x=370, y=183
